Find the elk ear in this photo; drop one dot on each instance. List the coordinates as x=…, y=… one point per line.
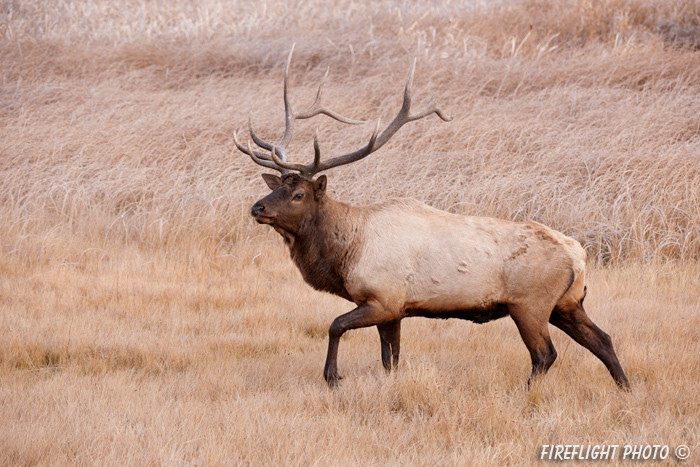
x=320, y=187
x=273, y=181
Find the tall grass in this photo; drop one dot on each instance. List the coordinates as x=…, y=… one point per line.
x=117, y=118
x=144, y=317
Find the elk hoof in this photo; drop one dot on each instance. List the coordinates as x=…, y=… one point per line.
x=333, y=380
x=624, y=385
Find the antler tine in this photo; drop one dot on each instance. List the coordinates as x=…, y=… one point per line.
x=256, y=156
x=247, y=150
x=405, y=116
x=317, y=108
x=256, y=139
x=287, y=165
x=288, y=112
x=433, y=107
x=317, y=150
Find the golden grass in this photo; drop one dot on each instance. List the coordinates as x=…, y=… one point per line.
x=162, y=364
x=145, y=319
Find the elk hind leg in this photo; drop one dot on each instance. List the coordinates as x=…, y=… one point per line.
x=573, y=320
x=533, y=328
x=390, y=336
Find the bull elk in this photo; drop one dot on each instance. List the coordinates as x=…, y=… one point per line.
x=402, y=258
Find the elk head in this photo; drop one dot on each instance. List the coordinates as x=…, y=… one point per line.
x=292, y=202
x=295, y=195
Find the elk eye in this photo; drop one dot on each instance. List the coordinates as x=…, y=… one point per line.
x=298, y=196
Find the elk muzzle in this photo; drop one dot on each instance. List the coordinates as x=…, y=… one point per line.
x=257, y=212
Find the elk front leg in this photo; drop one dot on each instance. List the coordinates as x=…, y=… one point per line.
x=390, y=336
x=370, y=313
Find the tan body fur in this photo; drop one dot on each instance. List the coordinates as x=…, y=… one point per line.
x=418, y=257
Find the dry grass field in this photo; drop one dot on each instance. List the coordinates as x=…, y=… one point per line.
x=145, y=319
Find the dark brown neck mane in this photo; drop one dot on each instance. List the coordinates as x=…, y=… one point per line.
x=327, y=246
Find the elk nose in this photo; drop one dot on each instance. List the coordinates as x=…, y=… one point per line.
x=257, y=209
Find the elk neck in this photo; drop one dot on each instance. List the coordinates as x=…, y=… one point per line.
x=327, y=246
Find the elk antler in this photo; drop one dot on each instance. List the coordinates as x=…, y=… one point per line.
x=277, y=158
